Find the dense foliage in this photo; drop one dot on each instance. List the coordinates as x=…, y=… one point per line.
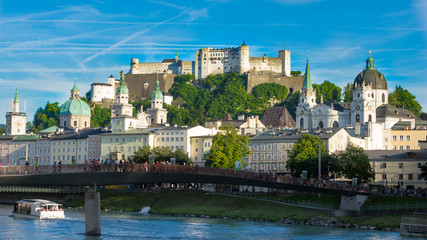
x=270, y=90
x=304, y=156
x=352, y=163
x=424, y=171
x=355, y=164
x=348, y=93
x=292, y=103
x=160, y=154
x=101, y=117
x=227, y=149
x=328, y=90
x=217, y=95
x=46, y=117
x=402, y=98
x=296, y=73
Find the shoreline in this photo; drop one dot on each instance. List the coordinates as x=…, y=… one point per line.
x=208, y=205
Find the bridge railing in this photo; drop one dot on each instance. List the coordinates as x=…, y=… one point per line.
x=167, y=168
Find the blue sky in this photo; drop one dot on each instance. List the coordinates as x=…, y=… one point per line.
x=44, y=45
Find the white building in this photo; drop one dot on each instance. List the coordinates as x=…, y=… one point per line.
x=100, y=91
x=215, y=61
x=179, y=137
x=16, y=121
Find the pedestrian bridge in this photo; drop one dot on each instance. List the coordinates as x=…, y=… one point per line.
x=101, y=175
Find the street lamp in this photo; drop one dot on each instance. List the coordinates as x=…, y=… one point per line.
x=328, y=171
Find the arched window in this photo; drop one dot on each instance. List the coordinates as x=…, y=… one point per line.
x=383, y=98
x=65, y=123
x=335, y=124
x=301, y=123
x=357, y=118
x=370, y=118
x=320, y=124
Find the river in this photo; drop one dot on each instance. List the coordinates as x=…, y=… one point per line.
x=138, y=226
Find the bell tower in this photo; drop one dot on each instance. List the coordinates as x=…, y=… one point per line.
x=307, y=101
x=16, y=120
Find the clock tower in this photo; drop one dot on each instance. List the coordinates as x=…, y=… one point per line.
x=16, y=120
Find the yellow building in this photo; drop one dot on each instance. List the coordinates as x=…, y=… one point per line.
x=199, y=146
x=398, y=168
x=405, y=135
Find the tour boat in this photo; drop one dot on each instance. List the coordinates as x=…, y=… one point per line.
x=415, y=225
x=38, y=209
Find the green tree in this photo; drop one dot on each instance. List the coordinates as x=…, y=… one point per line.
x=296, y=73
x=88, y=95
x=142, y=155
x=423, y=116
x=328, y=90
x=402, y=98
x=270, y=90
x=348, y=93
x=355, y=164
x=101, y=117
x=2, y=130
x=292, y=103
x=228, y=148
x=145, y=103
x=46, y=117
x=304, y=157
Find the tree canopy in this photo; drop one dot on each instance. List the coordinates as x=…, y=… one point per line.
x=296, y=73
x=304, y=156
x=101, y=117
x=424, y=171
x=348, y=93
x=402, y=98
x=270, y=90
x=46, y=117
x=228, y=148
x=355, y=164
x=160, y=154
x=328, y=90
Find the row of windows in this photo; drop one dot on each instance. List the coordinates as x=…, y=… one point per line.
x=172, y=133
x=401, y=165
x=68, y=143
x=400, y=177
x=130, y=140
x=408, y=138
x=68, y=150
x=402, y=147
x=274, y=146
x=268, y=156
x=171, y=139
x=268, y=166
x=67, y=157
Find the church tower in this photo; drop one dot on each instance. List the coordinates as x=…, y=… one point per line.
x=122, y=107
x=307, y=101
x=369, y=92
x=16, y=120
x=157, y=113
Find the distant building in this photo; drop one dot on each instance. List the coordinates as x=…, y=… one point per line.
x=249, y=126
x=398, y=168
x=103, y=91
x=277, y=117
x=16, y=121
x=75, y=113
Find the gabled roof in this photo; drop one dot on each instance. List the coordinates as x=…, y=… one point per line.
x=171, y=60
x=25, y=138
x=49, y=130
x=82, y=134
x=277, y=117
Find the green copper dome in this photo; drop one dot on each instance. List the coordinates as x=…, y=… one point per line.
x=157, y=94
x=75, y=107
x=122, y=88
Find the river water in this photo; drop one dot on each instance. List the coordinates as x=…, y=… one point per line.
x=139, y=226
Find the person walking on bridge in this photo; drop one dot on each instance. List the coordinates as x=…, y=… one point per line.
x=59, y=166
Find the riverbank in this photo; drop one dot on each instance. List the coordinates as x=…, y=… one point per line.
x=202, y=204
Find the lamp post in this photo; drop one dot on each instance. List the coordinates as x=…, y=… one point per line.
x=328, y=172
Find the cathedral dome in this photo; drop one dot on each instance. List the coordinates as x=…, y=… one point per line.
x=157, y=94
x=75, y=107
x=370, y=76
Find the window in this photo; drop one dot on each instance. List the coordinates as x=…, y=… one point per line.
x=261, y=157
x=75, y=123
x=383, y=165
x=394, y=138
x=410, y=176
x=197, y=150
x=401, y=147
x=408, y=138
x=408, y=147
x=195, y=158
x=419, y=165
x=400, y=165
x=384, y=176
x=419, y=176
x=268, y=146
x=400, y=176
x=401, y=137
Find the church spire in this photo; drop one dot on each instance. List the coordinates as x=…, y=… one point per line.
x=307, y=78
x=75, y=92
x=122, y=88
x=16, y=99
x=370, y=62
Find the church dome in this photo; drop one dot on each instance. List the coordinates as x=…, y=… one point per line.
x=157, y=94
x=75, y=107
x=122, y=88
x=370, y=76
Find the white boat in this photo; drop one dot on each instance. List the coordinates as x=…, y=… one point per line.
x=38, y=209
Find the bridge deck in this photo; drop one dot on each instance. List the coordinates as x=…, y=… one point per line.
x=78, y=175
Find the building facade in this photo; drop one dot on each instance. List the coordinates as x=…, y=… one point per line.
x=16, y=121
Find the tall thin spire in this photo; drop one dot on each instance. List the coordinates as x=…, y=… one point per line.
x=16, y=99
x=307, y=78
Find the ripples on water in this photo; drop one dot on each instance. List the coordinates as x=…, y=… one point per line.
x=137, y=226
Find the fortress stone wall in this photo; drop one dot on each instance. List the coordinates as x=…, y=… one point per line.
x=142, y=85
x=258, y=77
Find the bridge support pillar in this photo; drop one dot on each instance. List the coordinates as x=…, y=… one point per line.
x=352, y=203
x=93, y=212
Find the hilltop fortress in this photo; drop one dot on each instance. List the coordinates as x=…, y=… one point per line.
x=141, y=77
